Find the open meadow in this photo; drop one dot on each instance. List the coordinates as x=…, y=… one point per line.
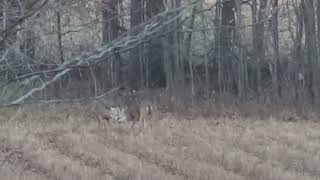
x=67, y=144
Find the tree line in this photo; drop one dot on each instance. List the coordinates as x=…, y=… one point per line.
x=246, y=49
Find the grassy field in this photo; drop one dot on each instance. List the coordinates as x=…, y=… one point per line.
x=66, y=143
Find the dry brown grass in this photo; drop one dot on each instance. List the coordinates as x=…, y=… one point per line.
x=63, y=142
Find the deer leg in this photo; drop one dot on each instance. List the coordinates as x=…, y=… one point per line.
x=143, y=123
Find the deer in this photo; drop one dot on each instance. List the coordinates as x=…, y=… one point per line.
x=109, y=115
x=132, y=111
x=138, y=112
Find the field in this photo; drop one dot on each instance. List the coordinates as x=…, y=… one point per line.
x=66, y=143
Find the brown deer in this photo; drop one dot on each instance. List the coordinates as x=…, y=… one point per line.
x=137, y=110
x=105, y=114
x=131, y=109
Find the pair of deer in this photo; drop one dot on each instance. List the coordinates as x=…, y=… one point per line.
x=131, y=112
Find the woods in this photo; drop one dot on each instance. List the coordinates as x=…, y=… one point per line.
x=159, y=89
x=248, y=50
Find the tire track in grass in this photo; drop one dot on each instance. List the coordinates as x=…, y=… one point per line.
x=288, y=133
x=219, y=156
x=67, y=149
x=150, y=171
x=291, y=138
x=101, y=157
x=212, y=159
x=204, y=146
x=59, y=163
x=39, y=142
x=286, y=158
x=17, y=157
x=169, y=167
x=264, y=145
x=33, y=156
x=186, y=167
x=253, y=150
x=210, y=139
x=307, y=129
x=252, y=164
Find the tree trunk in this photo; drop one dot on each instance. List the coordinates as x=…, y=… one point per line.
x=110, y=31
x=277, y=67
x=59, y=36
x=217, y=24
x=179, y=89
x=228, y=25
x=155, y=48
x=28, y=44
x=136, y=63
x=206, y=58
x=4, y=14
x=63, y=82
x=258, y=40
x=242, y=89
x=311, y=44
x=318, y=25
x=298, y=55
x=188, y=49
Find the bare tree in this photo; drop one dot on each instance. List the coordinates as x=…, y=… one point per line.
x=206, y=60
x=228, y=26
x=188, y=48
x=110, y=31
x=155, y=48
x=59, y=32
x=136, y=74
x=298, y=51
x=242, y=65
x=173, y=44
x=258, y=38
x=276, y=77
x=311, y=44
x=318, y=24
